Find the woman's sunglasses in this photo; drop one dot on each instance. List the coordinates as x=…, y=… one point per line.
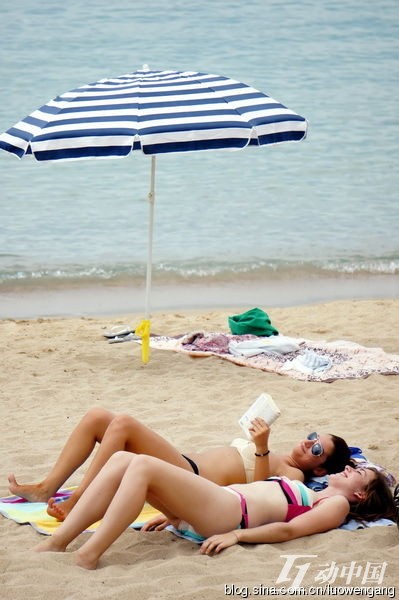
x=317, y=448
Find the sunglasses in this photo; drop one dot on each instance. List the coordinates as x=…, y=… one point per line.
x=317, y=448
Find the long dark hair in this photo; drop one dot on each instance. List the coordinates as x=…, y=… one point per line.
x=378, y=502
x=339, y=458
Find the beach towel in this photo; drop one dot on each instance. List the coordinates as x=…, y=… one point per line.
x=34, y=513
x=314, y=360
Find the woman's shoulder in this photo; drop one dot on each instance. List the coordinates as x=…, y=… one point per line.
x=337, y=500
x=292, y=473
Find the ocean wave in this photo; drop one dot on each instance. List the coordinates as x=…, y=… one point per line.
x=200, y=270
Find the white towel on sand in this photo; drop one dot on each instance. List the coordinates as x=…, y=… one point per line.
x=309, y=362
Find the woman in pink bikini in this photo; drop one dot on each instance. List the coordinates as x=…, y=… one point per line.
x=270, y=511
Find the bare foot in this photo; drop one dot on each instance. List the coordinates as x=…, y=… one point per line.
x=33, y=492
x=49, y=545
x=83, y=561
x=60, y=510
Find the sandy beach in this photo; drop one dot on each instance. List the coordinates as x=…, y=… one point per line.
x=124, y=297
x=54, y=369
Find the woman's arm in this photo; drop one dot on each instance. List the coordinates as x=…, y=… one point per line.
x=260, y=432
x=262, y=468
x=329, y=514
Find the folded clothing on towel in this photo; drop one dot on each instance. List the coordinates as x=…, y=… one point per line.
x=276, y=343
x=309, y=362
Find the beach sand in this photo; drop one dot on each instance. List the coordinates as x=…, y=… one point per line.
x=54, y=369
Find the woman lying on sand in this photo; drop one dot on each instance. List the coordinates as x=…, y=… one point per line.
x=275, y=510
x=242, y=462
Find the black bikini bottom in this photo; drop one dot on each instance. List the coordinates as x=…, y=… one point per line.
x=192, y=464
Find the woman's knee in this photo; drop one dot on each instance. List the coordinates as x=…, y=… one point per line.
x=143, y=468
x=124, y=424
x=117, y=464
x=121, y=457
x=128, y=460
x=100, y=416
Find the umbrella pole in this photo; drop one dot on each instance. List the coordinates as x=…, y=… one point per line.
x=144, y=327
x=151, y=202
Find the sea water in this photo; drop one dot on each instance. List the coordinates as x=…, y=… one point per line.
x=324, y=207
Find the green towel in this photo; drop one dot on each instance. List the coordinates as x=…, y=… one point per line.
x=254, y=321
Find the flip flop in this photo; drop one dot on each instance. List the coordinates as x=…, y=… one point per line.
x=118, y=331
x=123, y=338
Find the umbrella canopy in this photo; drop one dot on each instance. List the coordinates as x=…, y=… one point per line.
x=155, y=112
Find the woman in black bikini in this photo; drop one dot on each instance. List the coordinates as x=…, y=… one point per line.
x=241, y=462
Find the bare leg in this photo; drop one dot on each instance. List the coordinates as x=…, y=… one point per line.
x=123, y=433
x=118, y=494
x=77, y=449
x=91, y=508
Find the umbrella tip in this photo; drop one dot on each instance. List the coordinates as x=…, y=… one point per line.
x=146, y=67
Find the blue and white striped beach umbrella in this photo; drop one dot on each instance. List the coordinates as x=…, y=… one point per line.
x=155, y=112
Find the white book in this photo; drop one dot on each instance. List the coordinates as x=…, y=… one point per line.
x=265, y=407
